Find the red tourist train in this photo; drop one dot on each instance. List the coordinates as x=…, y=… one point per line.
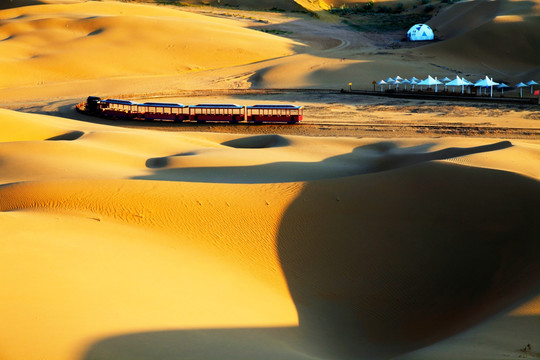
x=232, y=113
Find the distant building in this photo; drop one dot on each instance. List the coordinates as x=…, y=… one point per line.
x=420, y=32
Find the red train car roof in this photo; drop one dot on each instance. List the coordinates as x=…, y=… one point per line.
x=120, y=102
x=279, y=106
x=162, y=104
x=217, y=106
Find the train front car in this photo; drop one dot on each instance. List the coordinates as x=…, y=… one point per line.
x=231, y=113
x=290, y=114
x=92, y=105
x=162, y=111
x=117, y=109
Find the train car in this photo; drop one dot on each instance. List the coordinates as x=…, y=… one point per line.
x=274, y=113
x=232, y=113
x=117, y=108
x=162, y=111
x=217, y=112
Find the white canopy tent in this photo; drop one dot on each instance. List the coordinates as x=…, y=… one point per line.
x=458, y=82
x=445, y=80
x=405, y=82
x=502, y=86
x=521, y=86
x=430, y=81
x=531, y=84
x=382, y=82
x=390, y=82
x=413, y=81
x=485, y=83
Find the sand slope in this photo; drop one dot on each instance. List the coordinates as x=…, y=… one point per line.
x=135, y=244
x=499, y=36
x=61, y=42
x=111, y=48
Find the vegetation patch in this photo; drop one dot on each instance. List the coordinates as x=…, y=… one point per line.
x=385, y=22
x=371, y=17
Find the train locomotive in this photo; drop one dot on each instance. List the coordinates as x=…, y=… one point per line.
x=201, y=113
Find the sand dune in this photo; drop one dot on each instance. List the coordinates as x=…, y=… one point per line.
x=463, y=17
x=135, y=244
x=171, y=245
x=501, y=36
x=119, y=48
x=52, y=43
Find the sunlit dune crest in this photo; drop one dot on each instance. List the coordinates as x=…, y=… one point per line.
x=530, y=308
x=508, y=18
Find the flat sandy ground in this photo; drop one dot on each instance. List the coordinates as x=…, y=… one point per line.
x=378, y=228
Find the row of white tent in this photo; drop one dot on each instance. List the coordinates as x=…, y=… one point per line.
x=484, y=83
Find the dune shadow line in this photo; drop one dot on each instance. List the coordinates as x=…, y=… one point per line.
x=70, y=136
x=371, y=158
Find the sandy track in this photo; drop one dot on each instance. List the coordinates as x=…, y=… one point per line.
x=330, y=114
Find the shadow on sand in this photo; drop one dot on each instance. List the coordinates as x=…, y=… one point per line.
x=381, y=264
x=367, y=159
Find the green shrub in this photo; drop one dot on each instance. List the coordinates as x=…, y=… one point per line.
x=384, y=9
x=369, y=5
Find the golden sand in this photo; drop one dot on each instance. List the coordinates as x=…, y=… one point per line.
x=125, y=243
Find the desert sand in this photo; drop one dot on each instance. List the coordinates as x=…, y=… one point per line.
x=377, y=229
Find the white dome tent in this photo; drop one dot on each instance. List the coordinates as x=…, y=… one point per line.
x=420, y=32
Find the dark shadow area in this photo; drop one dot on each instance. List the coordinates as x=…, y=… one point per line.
x=407, y=258
x=257, y=142
x=95, y=32
x=367, y=159
x=509, y=333
x=9, y=38
x=161, y=162
x=73, y=135
x=8, y=4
